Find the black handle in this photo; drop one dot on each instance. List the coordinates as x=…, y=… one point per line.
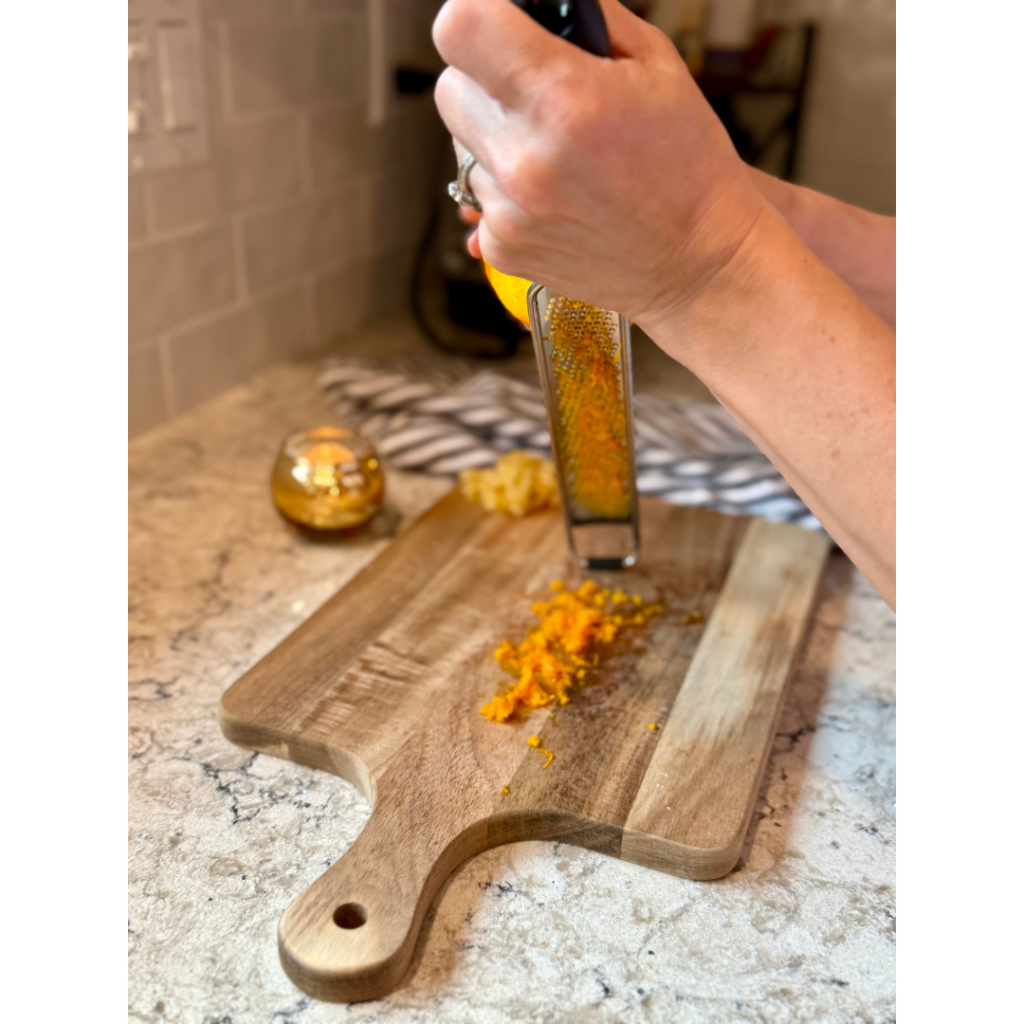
x=578, y=21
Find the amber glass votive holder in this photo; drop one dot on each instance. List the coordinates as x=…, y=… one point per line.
x=328, y=478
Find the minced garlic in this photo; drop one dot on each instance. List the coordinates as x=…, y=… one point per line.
x=520, y=483
x=561, y=650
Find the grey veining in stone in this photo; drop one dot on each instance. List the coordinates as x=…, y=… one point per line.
x=221, y=840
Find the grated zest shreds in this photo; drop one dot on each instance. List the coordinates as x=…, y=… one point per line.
x=518, y=484
x=563, y=648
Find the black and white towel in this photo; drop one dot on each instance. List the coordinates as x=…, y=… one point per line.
x=442, y=421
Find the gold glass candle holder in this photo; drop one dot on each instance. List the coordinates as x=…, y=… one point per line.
x=327, y=479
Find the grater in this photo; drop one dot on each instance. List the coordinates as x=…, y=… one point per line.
x=583, y=355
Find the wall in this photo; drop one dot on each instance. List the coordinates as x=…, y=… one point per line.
x=303, y=223
x=848, y=148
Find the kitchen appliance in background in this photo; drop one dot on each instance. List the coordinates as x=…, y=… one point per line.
x=752, y=68
x=452, y=300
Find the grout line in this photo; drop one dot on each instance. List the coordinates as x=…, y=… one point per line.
x=335, y=188
x=304, y=142
x=238, y=252
x=141, y=344
x=167, y=375
x=238, y=306
x=227, y=90
x=327, y=189
x=317, y=106
x=176, y=234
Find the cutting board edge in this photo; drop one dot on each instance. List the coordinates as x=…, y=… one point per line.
x=312, y=754
x=697, y=863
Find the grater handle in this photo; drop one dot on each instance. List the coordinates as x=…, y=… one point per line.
x=578, y=21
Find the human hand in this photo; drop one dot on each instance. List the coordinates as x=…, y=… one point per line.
x=610, y=180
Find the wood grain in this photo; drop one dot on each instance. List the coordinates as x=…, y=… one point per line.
x=383, y=686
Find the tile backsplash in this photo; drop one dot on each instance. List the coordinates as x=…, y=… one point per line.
x=303, y=223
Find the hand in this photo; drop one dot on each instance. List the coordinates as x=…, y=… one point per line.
x=609, y=180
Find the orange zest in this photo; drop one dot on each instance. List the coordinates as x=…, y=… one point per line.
x=563, y=648
x=534, y=741
x=591, y=418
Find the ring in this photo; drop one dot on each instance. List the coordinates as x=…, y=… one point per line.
x=460, y=191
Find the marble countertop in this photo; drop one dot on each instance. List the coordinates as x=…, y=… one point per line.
x=221, y=840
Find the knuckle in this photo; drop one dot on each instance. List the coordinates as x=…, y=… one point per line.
x=581, y=120
x=444, y=92
x=502, y=256
x=531, y=181
x=514, y=228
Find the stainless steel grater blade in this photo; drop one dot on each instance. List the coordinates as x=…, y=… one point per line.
x=583, y=354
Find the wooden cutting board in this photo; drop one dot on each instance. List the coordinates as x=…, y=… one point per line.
x=384, y=683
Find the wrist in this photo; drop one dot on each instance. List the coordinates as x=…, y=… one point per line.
x=712, y=314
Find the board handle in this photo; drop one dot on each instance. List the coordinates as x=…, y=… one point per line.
x=351, y=935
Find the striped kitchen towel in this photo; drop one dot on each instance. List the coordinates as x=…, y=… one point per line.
x=443, y=420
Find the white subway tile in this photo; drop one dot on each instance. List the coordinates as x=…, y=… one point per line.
x=258, y=161
x=184, y=196
x=146, y=404
x=344, y=301
x=288, y=63
x=333, y=7
x=267, y=66
x=136, y=210
x=170, y=282
x=255, y=162
x=400, y=206
x=289, y=241
x=343, y=144
x=227, y=351
x=240, y=10
x=869, y=185
x=348, y=299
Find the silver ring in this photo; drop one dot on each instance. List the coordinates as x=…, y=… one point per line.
x=460, y=191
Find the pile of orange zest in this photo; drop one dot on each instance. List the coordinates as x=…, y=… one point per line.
x=591, y=427
x=534, y=741
x=504, y=789
x=520, y=483
x=561, y=650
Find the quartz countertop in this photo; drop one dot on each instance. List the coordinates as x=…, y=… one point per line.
x=221, y=840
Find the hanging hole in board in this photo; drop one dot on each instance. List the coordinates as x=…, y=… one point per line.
x=350, y=915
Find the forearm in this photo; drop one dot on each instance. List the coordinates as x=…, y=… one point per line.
x=808, y=371
x=857, y=245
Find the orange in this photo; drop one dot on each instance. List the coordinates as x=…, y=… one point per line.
x=511, y=291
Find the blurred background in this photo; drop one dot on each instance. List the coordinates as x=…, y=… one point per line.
x=287, y=172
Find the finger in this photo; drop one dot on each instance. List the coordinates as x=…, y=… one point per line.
x=499, y=45
x=471, y=115
x=479, y=180
x=473, y=245
x=496, y=252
